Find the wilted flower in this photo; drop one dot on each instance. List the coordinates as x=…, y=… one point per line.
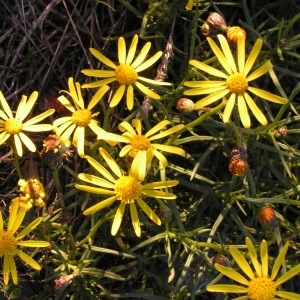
x=185, y=105
x=221, y=260
x=33, y=189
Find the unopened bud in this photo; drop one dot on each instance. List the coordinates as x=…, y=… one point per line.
x=205, y=29
x=234, y=32
x=215, y=20
x=267, y=218
x=221, y=260
x=185, y=105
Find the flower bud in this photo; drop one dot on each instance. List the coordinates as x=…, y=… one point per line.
x=238, y=165
x=281, y=132
x=185, y=105
x=266, y=217
x=215, y=20
x=205, y=29
x=234, y=32
x=221, y=260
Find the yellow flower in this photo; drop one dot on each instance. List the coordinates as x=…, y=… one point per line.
x=126, y=72
x=141, y=147
x=10, y=242
x=15, y=126
x=81, y=117
x=33, y=190
x=236, y=83
x=260, y=285
x=127, y=189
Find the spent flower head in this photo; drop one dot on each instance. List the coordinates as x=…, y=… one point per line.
x=142, y=146
x=126, y=189
x=81, y=119
x=10, y=240
x=126, y=73
x=15, y=126
x=33, y=190
x=234, y=81
x=260, y=284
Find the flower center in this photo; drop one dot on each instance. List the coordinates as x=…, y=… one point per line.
x=81, y=117
x=139, y=142
x=33, y=189
x=8, y=242
x=237, y=83
x=261, y=289
x=128, y=189
x=126, y=74
x=13, y=126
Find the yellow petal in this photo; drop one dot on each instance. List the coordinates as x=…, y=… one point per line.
x=229, y=272
x=157, y=128
x=243, y=112
x=152, y=81
x=208, y=69
x=264, y=258
x=138, y=165
x=160, y=184
x=146, y=91
x=117, y=96
x=159, y=194
x=288, y=275
x=148, y=211
x=252, y=56
x=287, y=295
x=98, y=96
x=102, y=58
x=149, y=62
x=170, y=149
x=228, y=108
x=30, y=261
x=227, y=288
x=241, y=261
x=204, y=84
x=241, y=52
x=211, y=98
x=96, y=180
x=29, y=228
x=266, y=67
x=34, y=243
x=6, y=268
x=118, y=218
x=93, y=209
x=111, y=162
x=227, y=53
x=28, y=107
x=220, y=56
x=95, y=190
x=18, y=145
x=135, y=219
x=255, y=110
x=253, y=257
x=129, y=97
x=267, y=96
x=5, y=107
x=279, y=259
x=142, y=55
x=203, y=91
x=137, y=124
x=132, y=50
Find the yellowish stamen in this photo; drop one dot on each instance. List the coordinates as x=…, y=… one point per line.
x=82, y=117
x=126, y=74
x=8, y=242
x=140, y=142
x=128, y=189
x=13, y=126
x=237, y=83
x=261, y=289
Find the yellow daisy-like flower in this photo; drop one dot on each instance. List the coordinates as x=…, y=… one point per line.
x=10, y=242
x=81, y=118
x=260, y=285
x=236, y=83
x=15, y=126
x=127, y=189
x=126, y=73
x=141, y=147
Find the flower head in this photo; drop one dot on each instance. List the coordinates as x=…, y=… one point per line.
x=15, y=126
x=261, y=285
x=81, y=118
x=126, y=73
x=235, y=83
x=141, y=146
x=33, y=191
x=126, y=189
x=10, y=240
